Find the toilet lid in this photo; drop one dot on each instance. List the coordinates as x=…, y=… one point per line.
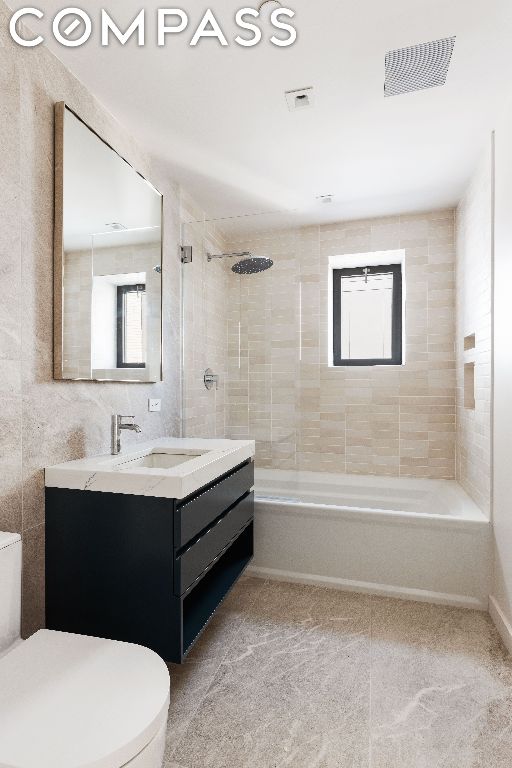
x=70, y=701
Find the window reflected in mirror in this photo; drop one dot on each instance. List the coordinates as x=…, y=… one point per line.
x=131, y=318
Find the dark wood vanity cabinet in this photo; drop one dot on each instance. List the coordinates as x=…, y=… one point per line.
x=143, y=569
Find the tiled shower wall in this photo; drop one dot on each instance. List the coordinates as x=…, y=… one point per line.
x=474, y=307
x=303, y=413
x=205, y=303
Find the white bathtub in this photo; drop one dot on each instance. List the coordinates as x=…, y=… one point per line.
x=412, y=538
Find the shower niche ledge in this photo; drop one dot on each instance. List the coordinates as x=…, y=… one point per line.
x=141, y=565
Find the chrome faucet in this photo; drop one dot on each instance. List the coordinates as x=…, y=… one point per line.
x=117, y=425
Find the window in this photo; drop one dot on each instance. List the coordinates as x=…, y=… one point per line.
x=131, y=301
x=367, y=315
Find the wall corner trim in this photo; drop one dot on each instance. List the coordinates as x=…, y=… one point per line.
x=501, y=622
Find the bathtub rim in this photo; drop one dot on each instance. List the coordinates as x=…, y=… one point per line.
x=464, y=510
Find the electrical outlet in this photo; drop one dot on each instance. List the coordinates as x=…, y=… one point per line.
x=154, y=406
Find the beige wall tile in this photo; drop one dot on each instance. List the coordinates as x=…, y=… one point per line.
x=354, y=420
x=474, y=304
x=33, y=580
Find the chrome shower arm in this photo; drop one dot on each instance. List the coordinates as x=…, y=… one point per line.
x=237, y=254
x=248, y=264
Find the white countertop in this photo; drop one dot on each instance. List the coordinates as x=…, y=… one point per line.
x=114, y=474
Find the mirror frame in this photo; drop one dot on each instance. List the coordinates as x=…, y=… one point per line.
x=58, y=251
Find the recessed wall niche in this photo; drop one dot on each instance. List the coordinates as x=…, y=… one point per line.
x=469, y=342
x=469, y=386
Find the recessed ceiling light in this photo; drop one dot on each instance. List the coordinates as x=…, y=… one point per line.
x=299, y=99
x=324, y=198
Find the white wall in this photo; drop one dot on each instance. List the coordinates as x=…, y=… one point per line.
x=501, y=598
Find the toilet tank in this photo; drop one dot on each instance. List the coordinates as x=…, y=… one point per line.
x=10, y=589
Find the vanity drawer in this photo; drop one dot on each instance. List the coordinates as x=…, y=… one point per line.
x=192, y=517
x=194, y=560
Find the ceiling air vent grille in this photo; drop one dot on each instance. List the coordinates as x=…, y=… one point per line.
x=418, y=67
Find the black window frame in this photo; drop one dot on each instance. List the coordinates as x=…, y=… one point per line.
x=396, y=314
x=122, y=290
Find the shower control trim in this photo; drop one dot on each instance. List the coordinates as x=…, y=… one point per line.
x=211, y=379
x=186, y=254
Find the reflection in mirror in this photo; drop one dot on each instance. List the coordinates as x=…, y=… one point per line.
x=108, y=253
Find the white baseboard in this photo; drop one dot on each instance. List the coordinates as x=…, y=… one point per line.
x=501, y=622
x=385, y=590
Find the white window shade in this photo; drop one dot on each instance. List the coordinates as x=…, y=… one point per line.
x=366, y=317
x=133, y=329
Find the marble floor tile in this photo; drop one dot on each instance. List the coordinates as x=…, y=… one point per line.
x=441, y=689
x=287, y=603
x=301, y=676
x=191, y=680
x=172, y=764
x=244, y=597
x=189, y=686
x=293, y=688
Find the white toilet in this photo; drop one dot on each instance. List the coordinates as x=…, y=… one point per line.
x=69, y=701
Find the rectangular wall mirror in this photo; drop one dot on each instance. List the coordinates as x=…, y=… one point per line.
x=107, y=261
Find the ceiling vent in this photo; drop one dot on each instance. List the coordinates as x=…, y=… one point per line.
x=418, y=67
x=299, y=99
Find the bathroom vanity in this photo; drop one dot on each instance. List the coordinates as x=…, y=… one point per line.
x=144, y=546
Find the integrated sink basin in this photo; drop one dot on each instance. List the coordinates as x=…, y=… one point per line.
x=159, y=460
x=170, y=467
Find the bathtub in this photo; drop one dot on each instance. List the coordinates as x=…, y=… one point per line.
x=411, y=538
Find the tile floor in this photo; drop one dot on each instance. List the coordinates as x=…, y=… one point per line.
x=291, y=675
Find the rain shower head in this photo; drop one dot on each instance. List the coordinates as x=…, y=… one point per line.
x=248, y=264
x=252, y=265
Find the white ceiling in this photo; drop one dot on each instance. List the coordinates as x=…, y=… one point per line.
x=100, y=189
x=217, y=117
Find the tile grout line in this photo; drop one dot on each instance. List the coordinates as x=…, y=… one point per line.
x=33, y=527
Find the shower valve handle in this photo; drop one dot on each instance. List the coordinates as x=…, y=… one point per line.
x=211, y=379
